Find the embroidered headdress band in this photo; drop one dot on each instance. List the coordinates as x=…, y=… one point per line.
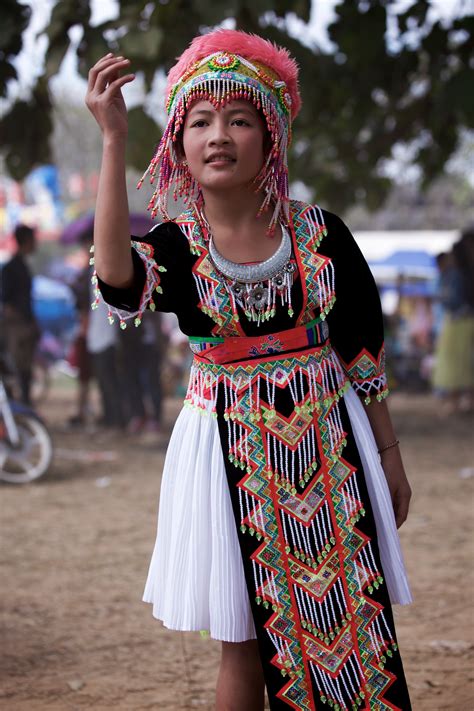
x=249, y=68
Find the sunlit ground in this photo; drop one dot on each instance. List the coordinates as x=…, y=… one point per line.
x=76, y=547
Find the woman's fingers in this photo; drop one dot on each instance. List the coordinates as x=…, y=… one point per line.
x=105, y=71
x=109, y=74
x=104, y=98
x=100, y=64
x=119, y=82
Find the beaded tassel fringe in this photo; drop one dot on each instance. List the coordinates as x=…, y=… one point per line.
x=293, y=460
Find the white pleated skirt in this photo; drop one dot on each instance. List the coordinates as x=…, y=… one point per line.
x=196, y=578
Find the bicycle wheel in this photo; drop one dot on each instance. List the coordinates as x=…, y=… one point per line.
x=31, y=459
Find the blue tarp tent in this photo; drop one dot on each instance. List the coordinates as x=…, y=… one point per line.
x=416, y=264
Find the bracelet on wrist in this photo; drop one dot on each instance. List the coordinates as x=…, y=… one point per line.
x=395, y=443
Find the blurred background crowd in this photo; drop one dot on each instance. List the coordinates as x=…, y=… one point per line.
x=50, y=331
x=395, y=159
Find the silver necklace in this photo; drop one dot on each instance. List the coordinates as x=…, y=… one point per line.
x=255, y=287
x=251, y=273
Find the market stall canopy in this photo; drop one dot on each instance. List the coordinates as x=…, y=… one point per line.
x=405, y=263
x=377, y=245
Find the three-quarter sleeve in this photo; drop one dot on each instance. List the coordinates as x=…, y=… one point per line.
x=355, y=321
x=151, y=288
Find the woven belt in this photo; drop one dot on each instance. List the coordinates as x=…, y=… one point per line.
x=238, y=348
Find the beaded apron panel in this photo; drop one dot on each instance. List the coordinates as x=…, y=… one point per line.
x=299, y=498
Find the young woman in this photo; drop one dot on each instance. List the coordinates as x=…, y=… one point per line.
x=277, y=522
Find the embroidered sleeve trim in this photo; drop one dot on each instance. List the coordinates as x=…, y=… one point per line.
x=152, y=285
x=367, y=375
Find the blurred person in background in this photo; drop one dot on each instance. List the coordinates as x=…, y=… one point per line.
x=94, y=352
x=102, y=345
x=79, y=356
x=21, y=330
x=179, y=357
x=443, y=262
x=421, y=325
x=453, y=374
x=141, y=386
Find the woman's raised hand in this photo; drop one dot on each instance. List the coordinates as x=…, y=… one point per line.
x=104, y=95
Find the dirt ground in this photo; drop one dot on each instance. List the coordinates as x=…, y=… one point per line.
x=75, y=550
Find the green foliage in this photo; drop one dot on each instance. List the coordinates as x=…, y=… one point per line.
x=374, y=96
x=14, y=19
x=143, y=133
x=359, y=102
x=65, y=15
x=25, y=132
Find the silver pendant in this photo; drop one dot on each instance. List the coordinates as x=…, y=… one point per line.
x=256, y=287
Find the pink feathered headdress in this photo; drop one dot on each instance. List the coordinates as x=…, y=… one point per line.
x=220, y=67
x=251, y=47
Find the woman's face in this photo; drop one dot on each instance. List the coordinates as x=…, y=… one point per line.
x=224, y=148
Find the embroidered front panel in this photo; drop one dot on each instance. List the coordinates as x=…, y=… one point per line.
x=219, y=303
x=214, y=299
x=317, y=271
x=367, y=375
x=312, y=569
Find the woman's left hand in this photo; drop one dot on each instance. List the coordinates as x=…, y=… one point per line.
x=398, y=485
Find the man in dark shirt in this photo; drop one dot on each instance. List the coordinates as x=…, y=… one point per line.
x=21, y=331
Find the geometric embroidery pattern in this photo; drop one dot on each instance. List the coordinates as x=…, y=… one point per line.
x=367, y=375
x=214, y=298
x=315, y=269
x=312, y=569
x=152, y=285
